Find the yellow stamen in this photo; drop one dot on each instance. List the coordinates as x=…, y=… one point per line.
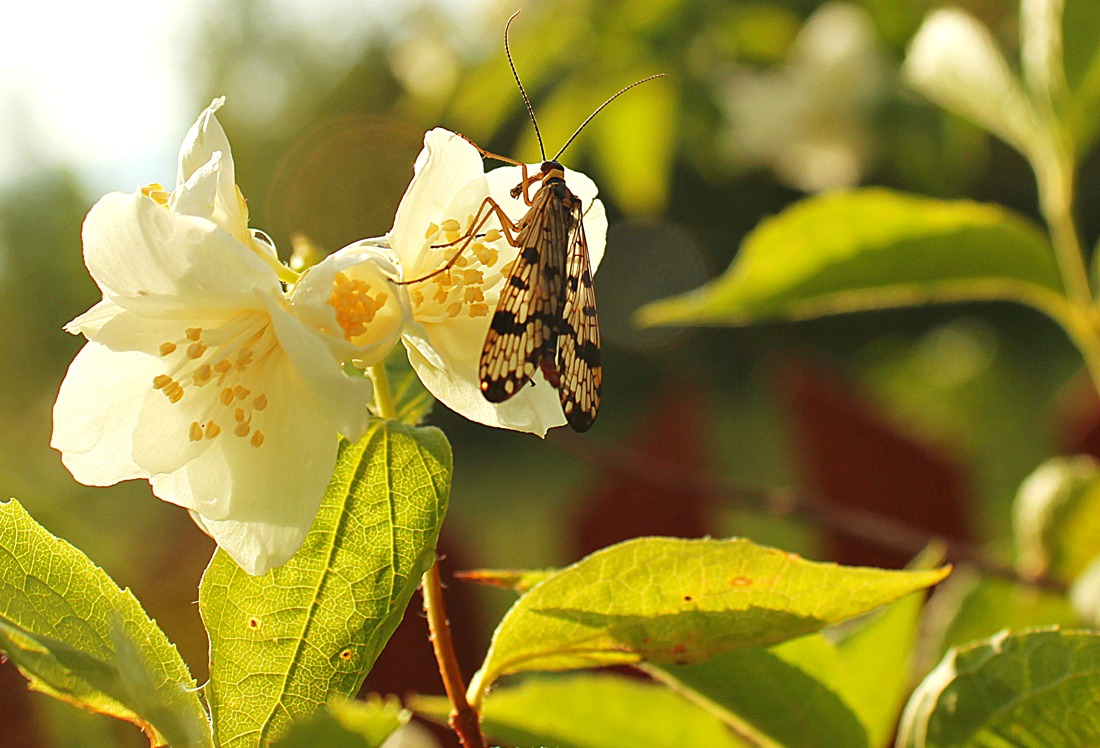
x=167, y=348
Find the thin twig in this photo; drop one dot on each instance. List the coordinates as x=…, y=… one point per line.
x=463, y=719
x=859, y=524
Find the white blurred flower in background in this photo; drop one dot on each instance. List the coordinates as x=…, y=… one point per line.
x=810, y=119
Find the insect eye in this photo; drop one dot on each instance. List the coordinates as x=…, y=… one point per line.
x=516, y=191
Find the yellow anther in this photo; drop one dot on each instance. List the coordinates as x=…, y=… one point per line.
x=260, y=402
x=432, y=231
x=195, y=432
x=241, y=392
x=195, y=350
x=167, y=348
x=244, y=358
x=239, y=415
x=491, y=235
x=226, y=396
x=212, y=429
x=257, y=438
x=417, y=297
x=472, y=276
x=193, y=333
x=441, y=296
x=242, y=429
x=506, y=268
x=478, y=310
x=454, y=309
x=156, y=193
x=473, y=293
x=223, y=366
x=202, y=374
x=160, y=381
x=174, y=392
x=450, y=226
x=380, y=299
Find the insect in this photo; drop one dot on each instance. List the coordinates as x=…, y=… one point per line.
x=546, y=317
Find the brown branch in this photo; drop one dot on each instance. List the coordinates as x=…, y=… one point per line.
x=858, y=524
x=463, y=719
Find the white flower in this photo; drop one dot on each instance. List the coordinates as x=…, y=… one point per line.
x=202, y=375
x=451, y=311
x=809, y=119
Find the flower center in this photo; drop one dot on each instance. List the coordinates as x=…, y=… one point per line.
x=459, y=290
x=228, y=364
x=355, y=306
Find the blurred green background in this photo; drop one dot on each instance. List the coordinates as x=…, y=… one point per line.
x=938, y=412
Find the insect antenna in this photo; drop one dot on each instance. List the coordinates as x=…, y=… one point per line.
x=526, y=101
x=598, y=110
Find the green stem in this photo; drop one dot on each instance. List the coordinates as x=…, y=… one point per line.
x=383, y=396
x=1055, y=175
x=1056, y=199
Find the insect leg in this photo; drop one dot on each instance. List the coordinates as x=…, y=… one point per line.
x=490, y=207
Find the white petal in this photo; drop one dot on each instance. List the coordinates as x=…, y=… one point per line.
x=341, y=398
x=954, y=61
x=89, y=323
x=148, y=259
x=205, y=138
x=445, y=165
x=458, y=341
x=206, y=167
x=1041, y=48
x=257, y=547
x=96, y=412
x=162, y=435
x=281, y=483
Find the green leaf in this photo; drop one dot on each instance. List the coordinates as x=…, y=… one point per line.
x=1056, y=518
x=591, y=711
x=667, y=600
x=517, y=580
x=76, y=636
x=812, y=691
x=872, y=248
x=789, y=694
x=877, y=659
x=347, y=724
x=282, y=644
x=1035, y=688
x=970, y=606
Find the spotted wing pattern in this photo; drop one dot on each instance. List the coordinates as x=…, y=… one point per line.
x=579, y=334
x=524, y=329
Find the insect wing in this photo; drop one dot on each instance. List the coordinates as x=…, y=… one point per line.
x=579, y=339
x=525, y=325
